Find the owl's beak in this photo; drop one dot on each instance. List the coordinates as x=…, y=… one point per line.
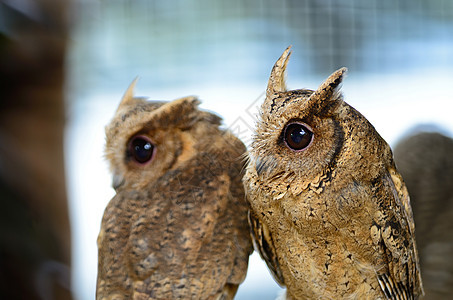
x=117, y=181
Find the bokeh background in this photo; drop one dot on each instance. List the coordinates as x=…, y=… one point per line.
x=399, y=54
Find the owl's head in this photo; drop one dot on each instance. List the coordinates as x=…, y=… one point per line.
x=304, y=134
x=146, y=139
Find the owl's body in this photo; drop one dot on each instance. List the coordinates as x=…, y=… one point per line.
x=177, y=226
x=329, y=212
x=425, y=160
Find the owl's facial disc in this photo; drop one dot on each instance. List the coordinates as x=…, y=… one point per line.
x=140, y=149
x=297, y=136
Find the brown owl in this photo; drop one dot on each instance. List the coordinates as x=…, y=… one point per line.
x=330, y=214
x=425, y=160
x=177, y=226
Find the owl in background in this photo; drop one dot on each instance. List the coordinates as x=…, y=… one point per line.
x=425, y=160
x=177, y=226
x=330, y=214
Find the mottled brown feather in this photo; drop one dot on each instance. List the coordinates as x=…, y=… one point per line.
x=265, y=246
x=333, y=220
x=177, y=226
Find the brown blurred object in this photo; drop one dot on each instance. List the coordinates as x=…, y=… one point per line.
x=425, y=161
x=35, y=239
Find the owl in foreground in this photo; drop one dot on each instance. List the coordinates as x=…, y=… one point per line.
x=177, y=226
x=330, y=214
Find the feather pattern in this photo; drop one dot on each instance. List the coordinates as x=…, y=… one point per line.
x=330, y=214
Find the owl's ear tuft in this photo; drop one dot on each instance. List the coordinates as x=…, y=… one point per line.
x=276, y=82
x=128, y=95
x=182, y=112
x=329, y=90
x=183, y=106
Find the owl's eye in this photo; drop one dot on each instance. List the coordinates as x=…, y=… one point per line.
x=297, y=136
x=140, y=149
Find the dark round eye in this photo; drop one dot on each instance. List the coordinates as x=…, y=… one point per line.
x=141, y=149
x=297, y=136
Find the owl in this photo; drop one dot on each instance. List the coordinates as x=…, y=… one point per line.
x=177, y=226
x=426, y=162
x=330, y=214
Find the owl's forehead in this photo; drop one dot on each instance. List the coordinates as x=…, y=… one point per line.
x=130, y=116
x=138, y=109
x=290, y=102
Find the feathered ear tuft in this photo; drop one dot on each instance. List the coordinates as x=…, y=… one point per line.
x=329, y=89
x=182, y=112
x=277, y=79
x=128, y=95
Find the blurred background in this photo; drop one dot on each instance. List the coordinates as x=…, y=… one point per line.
x=65, y=65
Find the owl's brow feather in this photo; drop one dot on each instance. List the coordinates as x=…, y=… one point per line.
x=276, y=104
x=139, y=108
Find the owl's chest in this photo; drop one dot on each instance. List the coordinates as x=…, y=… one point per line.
x=332, y=210
x=335, y=223
x=328, y=238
